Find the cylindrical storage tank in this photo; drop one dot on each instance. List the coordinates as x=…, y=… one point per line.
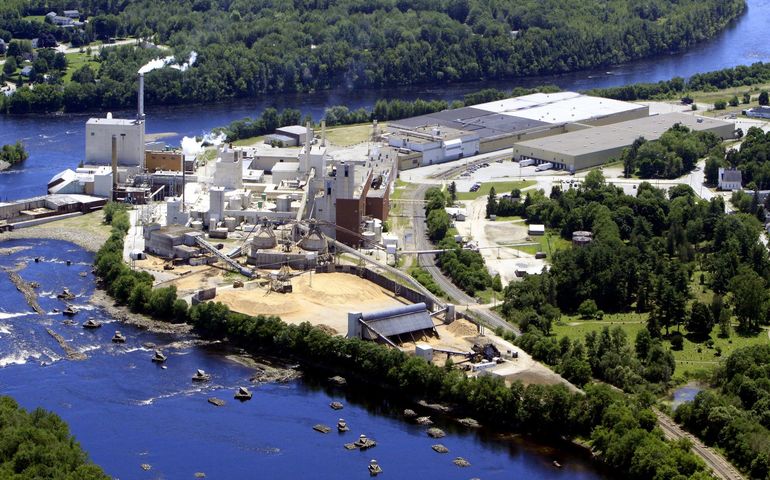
x=197, y=225
x=378, y=233
x=581, y=241
x=450, y=313
x=230, y=223
x=264, y=196
x=368, y=239
x=283, y=203
x=312, y=243
x=370, y=225
x=259, y=205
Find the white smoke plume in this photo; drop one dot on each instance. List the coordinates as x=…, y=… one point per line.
x=169, y=61
x=191, y=145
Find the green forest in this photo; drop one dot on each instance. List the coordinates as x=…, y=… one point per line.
x=38, y=444
x=247, y=48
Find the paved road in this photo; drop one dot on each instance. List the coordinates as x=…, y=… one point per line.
x=414, y=210
x=721, y=467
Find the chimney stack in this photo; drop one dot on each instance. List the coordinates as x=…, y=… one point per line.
x=323, y=133
x=114, y=162
x=140, y=98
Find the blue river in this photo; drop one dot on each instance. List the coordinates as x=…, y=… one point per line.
x=127, y=411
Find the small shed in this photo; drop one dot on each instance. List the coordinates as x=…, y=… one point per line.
x=536, y=229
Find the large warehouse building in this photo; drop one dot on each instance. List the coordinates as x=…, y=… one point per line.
x=451, y=134
x=586, y=148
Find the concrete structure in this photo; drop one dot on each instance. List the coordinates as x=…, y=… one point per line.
x=536, y=229
x=171, y=242
x=297, y=133
x=730, y=179
x=586, y=148
x=95, y=181
x=761, y=111
x=285, y=171
x=228, y=171
x=436, y=144
x=130, y=141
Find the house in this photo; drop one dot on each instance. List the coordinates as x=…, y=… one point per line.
x=729, y=179
x=74, y=14
x=26, y=71
x=62, y=21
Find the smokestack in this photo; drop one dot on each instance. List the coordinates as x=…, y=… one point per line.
x=114, y=161
x=308, y=142
x=323, y=133
x=140, y=98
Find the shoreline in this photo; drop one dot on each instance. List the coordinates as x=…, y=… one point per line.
x=87, y=242
x=100, y=298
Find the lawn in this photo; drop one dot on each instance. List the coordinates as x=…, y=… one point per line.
x=500, y=188
x=34, y=18
x=689, y=361
x=549, y=243
x=77, y=60
x=247, y=142
x=351, y=134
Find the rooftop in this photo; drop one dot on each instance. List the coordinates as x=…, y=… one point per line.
x=618, y=135
x=112, y=121
x=292, y=129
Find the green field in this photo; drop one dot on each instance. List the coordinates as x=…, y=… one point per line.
x=500, y=188
x=77, y=60
x=347, y=135
x=247, y=142
x=689, y=361
x=549, y=243
x=34, y=18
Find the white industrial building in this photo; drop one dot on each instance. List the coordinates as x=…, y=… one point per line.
x=130, y=141
x=96, y=181
x=594, y=146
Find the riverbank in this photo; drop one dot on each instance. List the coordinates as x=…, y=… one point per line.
x=100, y=298
x=86, y=231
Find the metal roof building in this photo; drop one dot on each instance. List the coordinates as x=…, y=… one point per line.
x=389, y=323
x=591, y=147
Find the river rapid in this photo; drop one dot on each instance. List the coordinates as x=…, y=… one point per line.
x=127, y=411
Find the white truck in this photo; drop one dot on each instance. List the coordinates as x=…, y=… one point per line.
x=544, y=166
x=525, y=162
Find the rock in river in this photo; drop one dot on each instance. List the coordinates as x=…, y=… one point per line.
x=409, y=413
x=424, y=421
x=461, y=462
x=469, y=422
x=436, y=433
x=216, y=401
x=338, y=381
x=438, y=448
x=322, y=428
x=336, y=405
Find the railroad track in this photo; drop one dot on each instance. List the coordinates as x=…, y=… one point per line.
x=718, y=464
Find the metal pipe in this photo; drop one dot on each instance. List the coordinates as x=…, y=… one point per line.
x=140, y=98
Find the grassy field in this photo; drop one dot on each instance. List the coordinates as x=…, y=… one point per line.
x=77, y=60
x=549, y=243
x=247, y=142
x=689, y=361
x=350, y=134
x=500, y=188
x=727, y=94
x=34, y=18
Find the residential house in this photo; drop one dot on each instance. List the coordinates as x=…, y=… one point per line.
x=730, y=179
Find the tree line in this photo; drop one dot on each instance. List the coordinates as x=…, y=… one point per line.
x=252, y=48
x=622, y=429
x=643, y=257
x=38, y=444
x=735, y=415
x=465, y=267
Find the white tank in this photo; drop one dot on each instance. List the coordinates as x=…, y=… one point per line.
x=230, y=223
x=235, y=203
x=369, y=226
x=378, y=233
x=313, y=242
x=283, y=203
x=369, y=239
